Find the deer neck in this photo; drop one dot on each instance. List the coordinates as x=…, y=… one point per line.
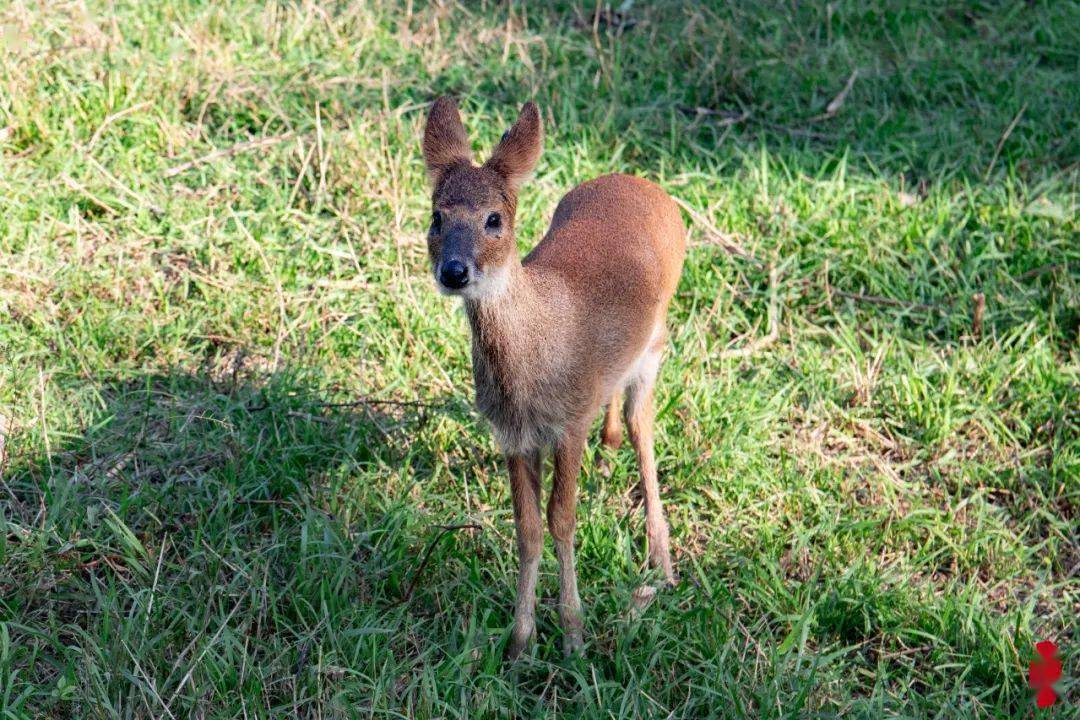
x=513, y=332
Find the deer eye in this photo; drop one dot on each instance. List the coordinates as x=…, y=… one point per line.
x=494, y=222
x=436, y=221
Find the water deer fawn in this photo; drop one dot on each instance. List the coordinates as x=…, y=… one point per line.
x=557, y=336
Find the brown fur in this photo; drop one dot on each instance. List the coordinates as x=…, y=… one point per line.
x=557, y=336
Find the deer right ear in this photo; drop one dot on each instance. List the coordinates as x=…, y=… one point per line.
x=445, y=141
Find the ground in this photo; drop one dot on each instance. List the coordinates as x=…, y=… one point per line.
x=234, y=412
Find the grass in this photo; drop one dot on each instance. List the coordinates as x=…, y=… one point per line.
x=234, y=412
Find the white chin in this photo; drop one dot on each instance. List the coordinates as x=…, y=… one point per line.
x=482, y=285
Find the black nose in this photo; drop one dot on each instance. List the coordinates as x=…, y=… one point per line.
x=454, y=274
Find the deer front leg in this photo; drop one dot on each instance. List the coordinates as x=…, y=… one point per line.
x=561, y=512
x=525, y=489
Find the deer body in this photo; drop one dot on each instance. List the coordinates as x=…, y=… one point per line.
x=580, y=314
x=558, y=336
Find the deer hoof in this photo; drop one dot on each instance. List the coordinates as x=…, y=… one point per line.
x=603, y=464
x=641, y=599
x=518, y=645
x=572, y=644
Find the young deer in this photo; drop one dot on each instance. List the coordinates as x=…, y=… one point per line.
x=558, y=335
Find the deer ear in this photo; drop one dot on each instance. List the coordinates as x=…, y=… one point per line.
x=445, y=141
x=516, y=154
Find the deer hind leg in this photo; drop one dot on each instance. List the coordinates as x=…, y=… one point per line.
x=611, y=434
x=562, y=520
x=525, y=489
x=640, y=412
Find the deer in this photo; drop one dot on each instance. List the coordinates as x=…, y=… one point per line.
x=557, y=336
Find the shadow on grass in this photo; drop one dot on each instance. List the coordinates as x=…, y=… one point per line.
x=215, y=541
x=152, y=437
x=185, y=499
x=204, y=544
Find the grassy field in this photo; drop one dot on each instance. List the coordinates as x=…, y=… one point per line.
x=234, y=411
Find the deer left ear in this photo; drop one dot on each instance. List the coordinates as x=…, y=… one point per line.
x=516, y=155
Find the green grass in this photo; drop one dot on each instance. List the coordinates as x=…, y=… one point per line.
x=875, y=515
